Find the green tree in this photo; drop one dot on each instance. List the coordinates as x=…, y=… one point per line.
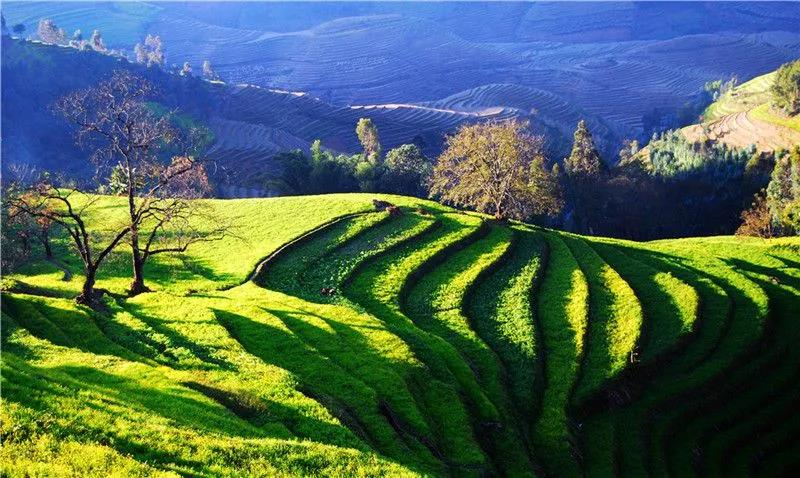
x=630, y=148
x=367, y=134
x=786, y=88
x=406, y=171
x=584, y=159
x=783, y=193
x=584, y=170
x=497, y=168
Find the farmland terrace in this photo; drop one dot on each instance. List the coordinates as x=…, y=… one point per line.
x=745, y=116
x=433, y=342
x=612, y=62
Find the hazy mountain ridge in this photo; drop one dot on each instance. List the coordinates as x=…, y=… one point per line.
x=622, y=62
x=249, y=123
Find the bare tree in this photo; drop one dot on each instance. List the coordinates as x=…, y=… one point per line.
x=186, y=70
x=50, y=33
x=146, y=158
x=150, y=53
x=208, y=71
x=47, y=202
x=97, y=42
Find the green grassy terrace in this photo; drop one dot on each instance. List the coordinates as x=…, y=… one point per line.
x=452, y=345
x=753, y=97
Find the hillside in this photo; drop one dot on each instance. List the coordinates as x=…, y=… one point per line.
x=744, y=116
x=629, y=65
x=452, y=345
x=249, y=124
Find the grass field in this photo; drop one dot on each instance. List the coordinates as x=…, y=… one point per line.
x=452, y=345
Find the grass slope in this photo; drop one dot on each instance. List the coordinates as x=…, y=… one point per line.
x=451, y=345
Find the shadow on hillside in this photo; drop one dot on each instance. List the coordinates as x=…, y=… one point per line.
x=176, y=339
x=647, y=287
x=68, y=326
x=773, y=274
x=793, y=264
x=315, y=371
x=96, y=396
x=340, y=370
x=637, y=378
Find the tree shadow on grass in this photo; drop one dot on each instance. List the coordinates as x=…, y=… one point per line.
x=68, y=326
x=335, y=380
x=176, y=339
x=98, y=388
x=162, y=271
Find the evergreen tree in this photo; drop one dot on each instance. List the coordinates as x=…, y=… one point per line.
x=584, y=168
x=783, y=193
x=584, y=159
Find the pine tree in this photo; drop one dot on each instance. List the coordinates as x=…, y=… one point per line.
x=584, y=159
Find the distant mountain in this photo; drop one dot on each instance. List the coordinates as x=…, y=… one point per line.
x=249, y=123
x=628, y=65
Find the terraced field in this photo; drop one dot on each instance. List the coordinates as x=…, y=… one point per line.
x=342, y=341
x=744, y=116
x=611, y=63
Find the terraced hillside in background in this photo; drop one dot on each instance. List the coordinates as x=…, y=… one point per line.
x=745, y=116
x=612, y=63
x=336, y=340
x=248, y=124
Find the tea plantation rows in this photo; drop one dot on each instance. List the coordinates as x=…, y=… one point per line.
x=431, y=342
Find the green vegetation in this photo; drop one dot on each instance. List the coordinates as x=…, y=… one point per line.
x=615, y=318
x=563, y=315
x=786, y=88
x=771, y=98
x=741, y=98
x=413, y=342
x=765, y=113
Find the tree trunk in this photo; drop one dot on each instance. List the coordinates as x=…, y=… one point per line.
x=137, y=286
x=87, y=296
x=48, y=251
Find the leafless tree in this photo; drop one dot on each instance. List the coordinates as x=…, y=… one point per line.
x=143, y=156
x=50, y=33
x=150, y=53
x=208, y=71
x=67, y=208
x=97, y=42
x=186, y=70
x=19, y=177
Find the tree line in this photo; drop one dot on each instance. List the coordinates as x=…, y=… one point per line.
x=150, y=52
